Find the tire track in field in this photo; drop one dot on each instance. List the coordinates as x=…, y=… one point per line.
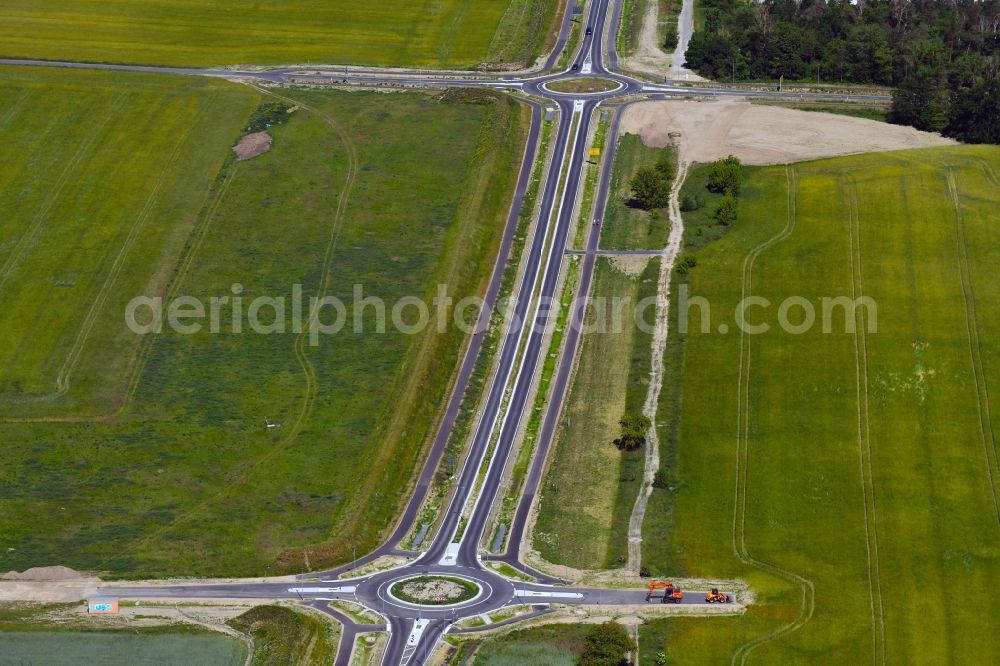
x=988, y=170
x=306, y=365
x=805, y=585
x=864, y=435
x=29, y=235
x=13, y=109
x=97, y=304
x=975, y=349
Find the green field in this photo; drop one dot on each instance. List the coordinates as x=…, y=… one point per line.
x=66, y=648
x=200, y=33
x=849, y=477
x=590, y=486
x=626, y=227
x=155, y=458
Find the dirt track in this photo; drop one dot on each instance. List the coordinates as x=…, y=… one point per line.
x=760, y=134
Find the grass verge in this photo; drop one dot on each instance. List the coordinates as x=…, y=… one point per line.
x=590, y=486
x=627, y=227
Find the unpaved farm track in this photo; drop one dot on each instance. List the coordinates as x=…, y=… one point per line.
x=659, y=345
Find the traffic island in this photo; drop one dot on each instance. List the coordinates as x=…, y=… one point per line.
x=434, y=590
x=589, y=85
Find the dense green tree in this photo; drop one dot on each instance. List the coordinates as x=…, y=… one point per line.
x=975, y=112
x=650, y=189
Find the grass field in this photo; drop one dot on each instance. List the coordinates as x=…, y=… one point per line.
x=626, y=227
x=590, y=486
x=850, y=477
x=102, y=180
x=450, y=33
x=174, y=471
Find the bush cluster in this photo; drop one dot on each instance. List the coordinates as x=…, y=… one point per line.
x=606, y=644
x=633, y=432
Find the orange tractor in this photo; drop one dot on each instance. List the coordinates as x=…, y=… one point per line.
x=671, y=593
x=716, y=597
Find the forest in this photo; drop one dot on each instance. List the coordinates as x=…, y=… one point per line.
x=941, y=57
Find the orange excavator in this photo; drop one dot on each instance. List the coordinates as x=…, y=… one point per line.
x=716, y=597
x=671, y=593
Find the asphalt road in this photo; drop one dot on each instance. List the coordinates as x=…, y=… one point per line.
x=455, y=547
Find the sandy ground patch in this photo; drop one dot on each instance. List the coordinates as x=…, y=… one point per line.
x=252, y=145
x=650, y=58
x=760, y=134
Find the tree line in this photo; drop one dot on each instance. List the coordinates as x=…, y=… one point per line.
x=942, y=56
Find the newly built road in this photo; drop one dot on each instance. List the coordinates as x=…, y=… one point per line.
x=455, y=548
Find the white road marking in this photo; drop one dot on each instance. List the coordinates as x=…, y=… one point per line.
x=551, y=595
x=450, y=558
x=346, y=589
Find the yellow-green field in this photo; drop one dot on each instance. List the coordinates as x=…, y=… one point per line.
x=199, y=33
x=849, y=477
x=149, y=455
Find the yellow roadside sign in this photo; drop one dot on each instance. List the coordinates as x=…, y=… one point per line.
x=595, y=152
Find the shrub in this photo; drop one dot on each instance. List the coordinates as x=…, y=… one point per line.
x=728, y=210
x=685, y=264
x=267, y=115
x=692, y=202
x=660, y=479
x=633, y=432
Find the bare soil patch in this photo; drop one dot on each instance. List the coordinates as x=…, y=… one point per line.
x=252, y=145
x=759, y=134
x=56, y=573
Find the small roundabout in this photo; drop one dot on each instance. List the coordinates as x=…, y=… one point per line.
x=436, y=590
